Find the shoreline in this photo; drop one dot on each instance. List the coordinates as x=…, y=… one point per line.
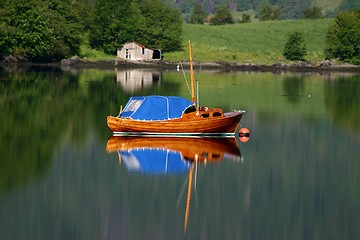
x=325, y=66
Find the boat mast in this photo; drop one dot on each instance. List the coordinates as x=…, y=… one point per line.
x=192, y=75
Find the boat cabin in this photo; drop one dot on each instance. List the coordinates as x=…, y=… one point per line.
x=204, y=112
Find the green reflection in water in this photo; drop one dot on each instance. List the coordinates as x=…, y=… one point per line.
x=342, y=99
x=31, y=123
x=294, y=88
x=299, y=179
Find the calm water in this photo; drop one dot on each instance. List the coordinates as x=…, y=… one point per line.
x=296, y=178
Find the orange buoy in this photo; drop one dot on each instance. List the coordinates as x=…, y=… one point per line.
x=244, y=134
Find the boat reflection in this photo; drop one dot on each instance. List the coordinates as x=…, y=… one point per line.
x=170, y=155
x=150, y=155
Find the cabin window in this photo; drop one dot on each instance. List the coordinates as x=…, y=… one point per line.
x=205, y=115
x=190, y=110
x=216, y=155
x=217, y=114
x=133, y=105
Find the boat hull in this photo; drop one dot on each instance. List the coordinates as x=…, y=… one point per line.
x=222, y=126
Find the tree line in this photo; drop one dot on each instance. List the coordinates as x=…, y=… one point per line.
x=287, y=9
x=49, y=30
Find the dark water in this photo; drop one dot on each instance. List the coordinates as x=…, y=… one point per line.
x=296, y=178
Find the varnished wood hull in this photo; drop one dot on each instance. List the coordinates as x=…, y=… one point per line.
x=225, y=125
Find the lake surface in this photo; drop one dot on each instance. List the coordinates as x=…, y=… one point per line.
x=297, y=177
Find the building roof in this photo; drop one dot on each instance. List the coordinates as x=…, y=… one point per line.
x=139, y=44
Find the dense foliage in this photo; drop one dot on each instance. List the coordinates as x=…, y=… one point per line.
x=343, y=37
x=49, y=30
x=198, y=15
x=114, y=24
x=295, y=48
x=290, y=9
x=162, y=28
x=245, y=18
x=293, y=9
x=222, y=16
x=313, y=13
x=269, y=13
x=349, y=4
x=39, y=30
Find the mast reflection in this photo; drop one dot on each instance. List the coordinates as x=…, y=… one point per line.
x=171, y=155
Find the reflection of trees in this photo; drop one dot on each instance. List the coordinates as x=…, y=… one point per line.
x=42, y=106
x=342, y=99
x=293, y=88
x=34, y=114
x=296, y=182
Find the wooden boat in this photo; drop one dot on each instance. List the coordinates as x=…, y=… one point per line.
x=173, y=116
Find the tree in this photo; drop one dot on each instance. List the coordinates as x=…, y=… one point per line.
x=186, y=6
x=243, y=5
x=5, y=40
x=26, y=30
x=198, y=15
x=293, y=9
x=343, y=37
x=113, y=24
x=222, y=16
x=349, y=4
x=149, y=22
x=269, y=13
x=260, y=4
x=295, y=48
x=246, y=18
x=313, y=13
x=165, y=34
x=64, y=16
x=39, y=30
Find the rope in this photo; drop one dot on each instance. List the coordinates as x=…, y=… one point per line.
x=197, y=87
x=187, y=84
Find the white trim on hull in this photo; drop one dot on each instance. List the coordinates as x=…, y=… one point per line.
x=155, y=134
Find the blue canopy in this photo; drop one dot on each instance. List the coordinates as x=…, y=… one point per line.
x=154, y=161
x=155, y=107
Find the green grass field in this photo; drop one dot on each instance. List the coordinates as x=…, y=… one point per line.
x=256, y=42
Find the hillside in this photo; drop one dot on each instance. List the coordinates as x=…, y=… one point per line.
x=256, y=42
x=185, y=6
x=327, y=5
